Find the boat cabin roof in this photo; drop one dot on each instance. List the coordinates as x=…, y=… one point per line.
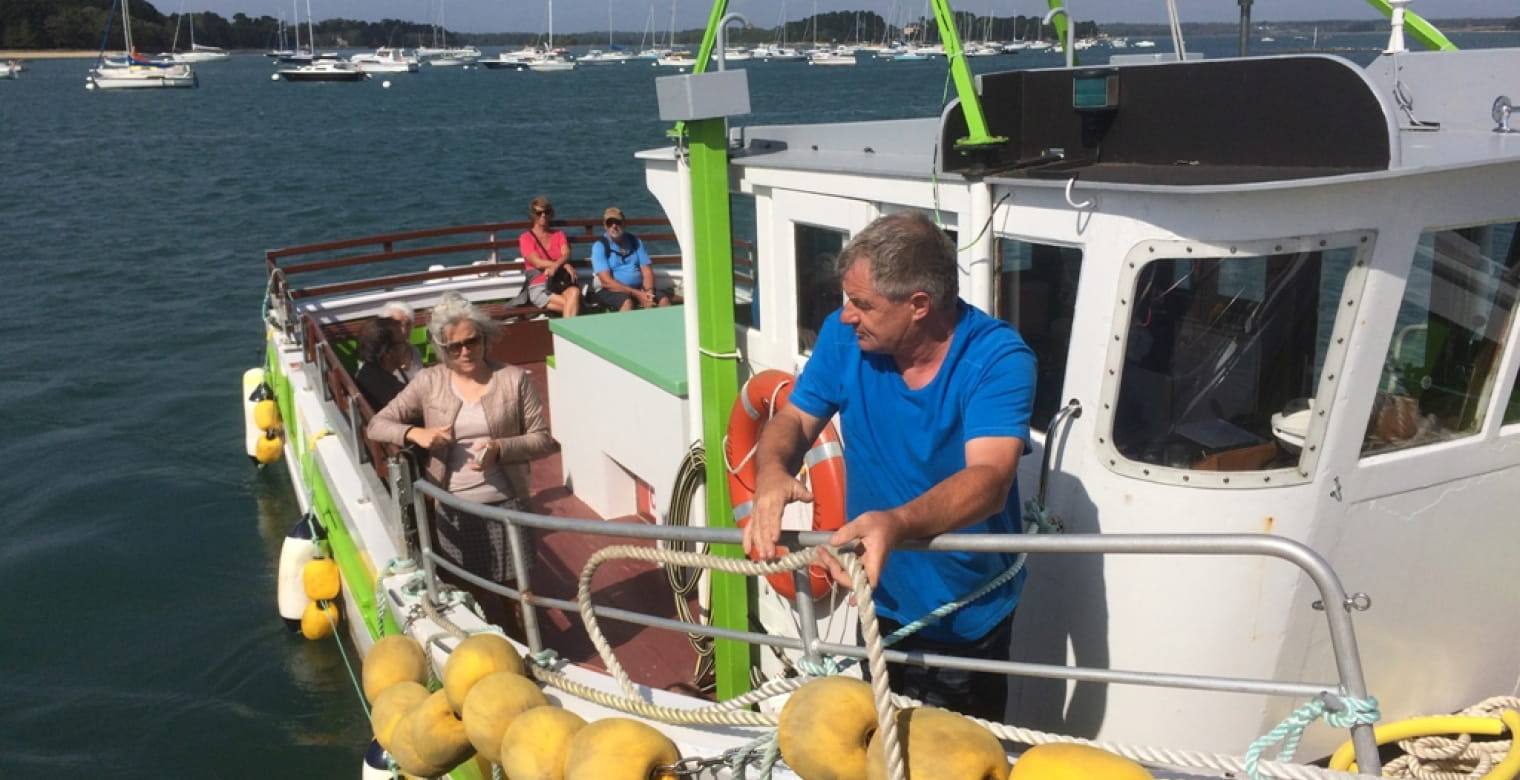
x=1250, y=122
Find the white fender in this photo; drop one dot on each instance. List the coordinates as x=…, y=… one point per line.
x=299, y=548
x=253, y=379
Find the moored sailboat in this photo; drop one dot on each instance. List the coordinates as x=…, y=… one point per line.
x=134, y=71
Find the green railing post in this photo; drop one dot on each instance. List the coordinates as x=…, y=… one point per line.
x=719, y=378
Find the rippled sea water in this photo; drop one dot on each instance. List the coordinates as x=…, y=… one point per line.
x=138, y=542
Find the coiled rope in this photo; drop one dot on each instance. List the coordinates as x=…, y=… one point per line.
x=1454, y=758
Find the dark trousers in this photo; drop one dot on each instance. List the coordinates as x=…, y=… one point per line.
x=980, y=694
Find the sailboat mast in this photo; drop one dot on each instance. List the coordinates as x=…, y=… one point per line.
x=311, y=29
x=126, y=27
x=551, y=26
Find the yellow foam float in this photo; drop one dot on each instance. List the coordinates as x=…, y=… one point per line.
x=319, y=620
x=393, y=659
x=944, y=745
x=537, y=744
x=391, y=705
x=321, y=579
x=430, y=739
x=477, y=656
x=619, y=749
x=269, y=448
x=1068, y=761
x=824, y=728
x=491, y=706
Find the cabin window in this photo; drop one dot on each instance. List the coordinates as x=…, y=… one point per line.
x=1223, y=355
x=1037, y=294
x=746, y=288
x=1449, y=336
x=818, y=289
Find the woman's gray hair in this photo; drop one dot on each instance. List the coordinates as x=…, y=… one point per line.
x=906, y=253
x=394, y=309
x=453, y=309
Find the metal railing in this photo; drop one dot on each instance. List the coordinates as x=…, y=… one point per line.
x=1351, y=684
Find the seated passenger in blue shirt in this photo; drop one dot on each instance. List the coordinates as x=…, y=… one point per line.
x=622, y=267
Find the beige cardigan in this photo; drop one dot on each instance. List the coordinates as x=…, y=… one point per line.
x=513, y=410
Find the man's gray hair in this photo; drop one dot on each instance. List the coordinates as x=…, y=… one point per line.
x=906, y=253
x=453, y=309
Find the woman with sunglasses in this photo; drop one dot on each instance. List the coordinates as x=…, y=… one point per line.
x=480, y=422
x=548, y=251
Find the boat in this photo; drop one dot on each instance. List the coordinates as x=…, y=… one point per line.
x=506, y=60
x=613, y=54
x=552, y=60
x=135, y=71
x=386, y=60
x=325, y=67
x=9, y=69
x=834, y=58
x=679, y=58
x=198, y=53
x=453, y=57
x=1275, y=420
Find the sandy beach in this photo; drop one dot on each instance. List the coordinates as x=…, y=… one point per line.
x=47, y=54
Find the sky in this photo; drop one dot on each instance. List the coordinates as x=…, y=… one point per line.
x=634, y=15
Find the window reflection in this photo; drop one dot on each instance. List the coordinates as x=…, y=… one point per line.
x=1448, y=338
x=1037, y=294
x=1223, y=357
x=818, y=289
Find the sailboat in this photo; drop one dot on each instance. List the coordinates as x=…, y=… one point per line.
x=553, y=60
x=612, y=55
x=135, y=71
x=441, y=54
x=197, y=52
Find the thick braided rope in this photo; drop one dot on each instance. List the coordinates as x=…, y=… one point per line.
x=881, y=692
x=1454, y=758
x=709, y=716
x=1187, y=759
x=789, y=562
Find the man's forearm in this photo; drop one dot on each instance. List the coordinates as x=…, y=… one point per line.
x=966, y=497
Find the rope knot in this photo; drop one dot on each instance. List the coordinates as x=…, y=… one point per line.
x=545, y=659
x=1354, y=712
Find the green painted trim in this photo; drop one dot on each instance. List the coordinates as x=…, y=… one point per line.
x=712, y=238
x=356, y=575
x=965, y=88
x=1418, y=28
x=648, y=343
x=549, y=361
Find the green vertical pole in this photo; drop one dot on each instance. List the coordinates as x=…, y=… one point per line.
x=719, y=378
x=960, y=73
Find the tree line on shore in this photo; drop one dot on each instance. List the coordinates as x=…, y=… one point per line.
x=80, y=24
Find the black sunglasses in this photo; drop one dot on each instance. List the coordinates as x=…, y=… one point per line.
x=456, y=347
x=543, y=212
x=612, y=222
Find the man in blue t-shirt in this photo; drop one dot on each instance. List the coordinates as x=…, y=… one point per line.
x=622, y=266
x=934, y=398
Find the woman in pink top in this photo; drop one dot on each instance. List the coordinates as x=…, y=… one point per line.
x=548, y=251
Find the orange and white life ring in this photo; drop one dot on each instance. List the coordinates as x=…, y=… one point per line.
x=822, y=468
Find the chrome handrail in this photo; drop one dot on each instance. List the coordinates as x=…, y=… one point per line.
x=1352, y=682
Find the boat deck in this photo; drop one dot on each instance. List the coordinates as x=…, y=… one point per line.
x=654, y=657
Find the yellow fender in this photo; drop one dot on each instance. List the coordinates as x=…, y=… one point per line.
x=1344, y=758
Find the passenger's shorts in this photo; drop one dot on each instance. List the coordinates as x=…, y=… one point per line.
x=538, y=294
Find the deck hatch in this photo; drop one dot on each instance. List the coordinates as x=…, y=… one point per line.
x=1223, y=122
